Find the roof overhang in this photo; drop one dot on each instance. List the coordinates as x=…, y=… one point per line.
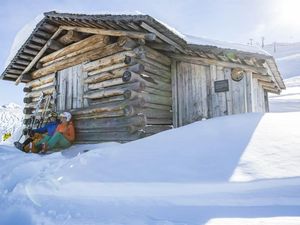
x=166, y=39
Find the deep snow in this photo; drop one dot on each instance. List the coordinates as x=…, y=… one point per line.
x=289, y=99
x=241, y=169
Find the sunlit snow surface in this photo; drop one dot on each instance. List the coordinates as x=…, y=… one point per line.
x=289, y=99
x=241, y=169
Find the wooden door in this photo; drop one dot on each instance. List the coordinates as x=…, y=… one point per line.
x=70, y=88
x=192, y=93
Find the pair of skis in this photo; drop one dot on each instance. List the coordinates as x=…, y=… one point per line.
x=46, y=99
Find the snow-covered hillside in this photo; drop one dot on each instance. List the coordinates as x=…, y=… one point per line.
x=289, y=99
x=241, y=169
x=10, y=118
x=287, y=56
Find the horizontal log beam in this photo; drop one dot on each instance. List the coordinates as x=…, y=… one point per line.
x=41, y=81
x=106, y=83
x=154, y=55
x=138, y=68
x=129, y=76
x=113, y=91
x=156, y=99
x=130, y=34
x=153, y=129
x=90, y=55
x=131, y=60
x=70, y=37
x=98, y=115
x=260, y=77
x=48, y=90
x=109, y=136
x=74, y=47
x=204, y=61
x=101, y=77
x=272, y=90
x=268, y=84
x=159, y=121
x=106, y=61
x=139, y=120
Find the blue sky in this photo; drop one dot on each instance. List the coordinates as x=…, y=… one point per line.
x=227, y=20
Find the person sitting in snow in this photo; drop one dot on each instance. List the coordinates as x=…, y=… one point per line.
x=63, y=136
x=40, y=135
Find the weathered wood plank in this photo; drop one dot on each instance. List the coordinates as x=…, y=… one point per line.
x=155, y=99
x=90, y=55
x=215, y=111
x=163, y=37
x=154, y=55
x=249, y=91
x=109, y=60
x=153, y=129
x=109, y=136
x=37, y=57
x=221, y=95
x=228, y=94
x=90, y=41
x=205, y=61
x=113, y=91
x=118, y=33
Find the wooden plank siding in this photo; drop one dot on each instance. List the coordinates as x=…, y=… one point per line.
x=71, y=88
x=192, y=94
x=194, y=87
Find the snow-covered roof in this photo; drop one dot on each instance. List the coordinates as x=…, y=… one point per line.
x=26, y=41
x=225, y=45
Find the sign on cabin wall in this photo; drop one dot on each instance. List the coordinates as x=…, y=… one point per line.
x=221, y=85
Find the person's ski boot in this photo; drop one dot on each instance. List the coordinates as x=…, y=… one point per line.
x=19, y=146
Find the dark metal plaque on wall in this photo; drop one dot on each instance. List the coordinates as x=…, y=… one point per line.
x=221, y=86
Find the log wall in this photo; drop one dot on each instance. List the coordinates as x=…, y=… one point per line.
x=122, y=89
x=116, y=90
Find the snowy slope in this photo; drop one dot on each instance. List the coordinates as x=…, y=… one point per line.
x=289, y=99
x=241, y=169
x=287, y=56
x=10, y=119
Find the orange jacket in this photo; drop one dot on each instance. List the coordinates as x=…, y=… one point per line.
x=67, y=130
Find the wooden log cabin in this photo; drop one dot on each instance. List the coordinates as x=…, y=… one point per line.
x=124, y=77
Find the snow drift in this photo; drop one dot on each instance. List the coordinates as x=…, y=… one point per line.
x=241, y=169
x=289, y=99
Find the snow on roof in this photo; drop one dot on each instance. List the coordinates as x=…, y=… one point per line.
x=21, y=37
x=25, y=32
x=194, y=40
x=226, y=45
